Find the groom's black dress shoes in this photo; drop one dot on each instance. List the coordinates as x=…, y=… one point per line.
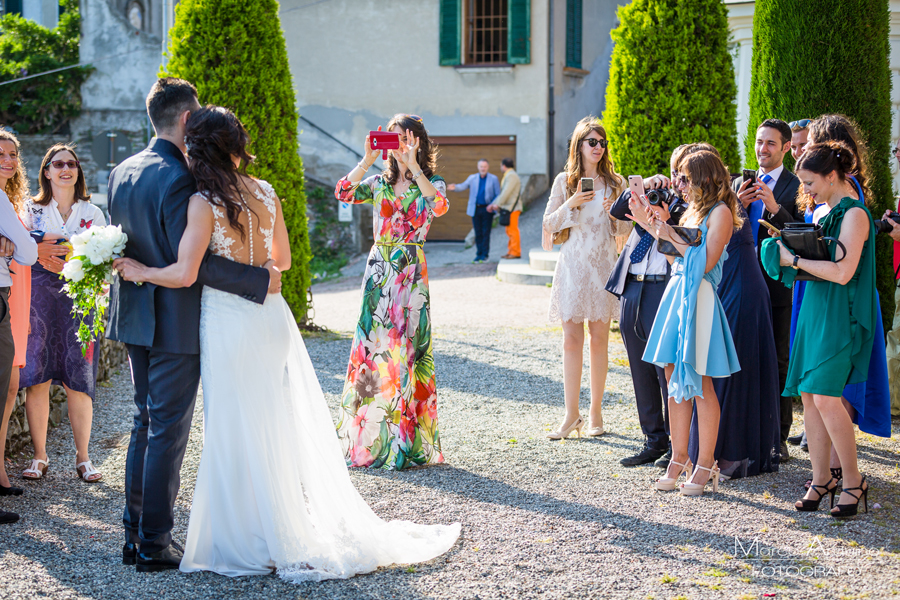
x=10, y=491
x=129, y=553
x=8, y=517
x=647, y=455
x=167, y=558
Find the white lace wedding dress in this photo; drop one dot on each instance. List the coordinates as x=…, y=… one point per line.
x=273, y=491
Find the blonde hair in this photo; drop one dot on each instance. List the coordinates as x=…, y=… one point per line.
x=575, y=170
x=17, y=185
x=708, y=184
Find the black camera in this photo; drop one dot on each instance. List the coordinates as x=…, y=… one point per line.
x=677, y=209
x=882, y=226
x=655, y=196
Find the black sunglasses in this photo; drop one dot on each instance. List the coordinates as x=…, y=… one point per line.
x=59, y=164
x=593, y=142
x=799, y=125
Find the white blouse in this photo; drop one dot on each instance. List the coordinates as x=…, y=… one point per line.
x=49, y=220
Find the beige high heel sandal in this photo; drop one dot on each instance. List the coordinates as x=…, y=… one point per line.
x=577, y=426
x=696, y=489
x=667, y=484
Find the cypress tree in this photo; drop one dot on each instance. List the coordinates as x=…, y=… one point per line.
x=830, y=56
x=234, y=52
x=671, y=82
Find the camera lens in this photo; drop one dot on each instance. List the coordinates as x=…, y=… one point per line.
x=654, y=197
x=882, y=226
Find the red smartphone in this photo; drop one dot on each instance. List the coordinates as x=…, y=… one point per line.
x=636, y=185
x=384, y=141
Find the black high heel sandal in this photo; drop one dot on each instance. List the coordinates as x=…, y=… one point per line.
x=850, y=510
x=810, y=505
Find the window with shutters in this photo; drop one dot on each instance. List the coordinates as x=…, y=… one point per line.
x=11, y=7
x=573, y=33
x=486, y=32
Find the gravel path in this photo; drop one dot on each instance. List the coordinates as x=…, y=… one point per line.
x=540, y=519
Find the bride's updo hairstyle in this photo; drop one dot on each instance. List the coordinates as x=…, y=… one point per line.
x=426, y=155
x=213, y=136
x=827, y=157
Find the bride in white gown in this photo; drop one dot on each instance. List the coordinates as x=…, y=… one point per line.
x=273, y=491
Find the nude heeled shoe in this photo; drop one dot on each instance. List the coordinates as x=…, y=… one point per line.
x=667, y=484
x=577, y=426
x=696, y=489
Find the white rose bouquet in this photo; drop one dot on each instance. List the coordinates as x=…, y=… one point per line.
x=88, y=272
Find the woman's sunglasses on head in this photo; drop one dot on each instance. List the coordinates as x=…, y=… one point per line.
x=59, y=164
x=592, y=142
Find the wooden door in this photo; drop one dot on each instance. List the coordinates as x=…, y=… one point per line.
x=457, y=159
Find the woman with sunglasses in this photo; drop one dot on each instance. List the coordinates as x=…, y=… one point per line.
x=61, y=209
x=388, y=415
x=586, y=259
x=690, y=337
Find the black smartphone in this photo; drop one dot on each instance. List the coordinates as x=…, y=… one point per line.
x=587, y=184
x=750, y=175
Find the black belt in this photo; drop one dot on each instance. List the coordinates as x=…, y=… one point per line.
x=646, y=278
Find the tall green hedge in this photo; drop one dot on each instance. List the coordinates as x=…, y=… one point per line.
x=671, y=82
x=234, y=52
x=43, y=104
x=831, y=58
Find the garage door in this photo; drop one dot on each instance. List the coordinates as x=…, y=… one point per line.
x=457, y=159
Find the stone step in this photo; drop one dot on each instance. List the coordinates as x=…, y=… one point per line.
x=543, y=260
x=517, y=271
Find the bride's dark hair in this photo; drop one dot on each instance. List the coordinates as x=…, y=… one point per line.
x=213, y=136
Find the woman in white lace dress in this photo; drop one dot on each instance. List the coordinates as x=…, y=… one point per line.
x=273, y=492
x=585, y=261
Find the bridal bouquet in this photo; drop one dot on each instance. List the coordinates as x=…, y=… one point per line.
x=88, y=272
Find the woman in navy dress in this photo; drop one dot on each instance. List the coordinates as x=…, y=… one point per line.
x=748, y=442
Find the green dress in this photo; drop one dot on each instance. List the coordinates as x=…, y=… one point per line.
x=836, y=324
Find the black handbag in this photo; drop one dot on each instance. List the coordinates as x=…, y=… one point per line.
x=504, y=217
x=690, y=235
x=806, y=241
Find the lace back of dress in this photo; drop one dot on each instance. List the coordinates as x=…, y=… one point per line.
x=258, y=219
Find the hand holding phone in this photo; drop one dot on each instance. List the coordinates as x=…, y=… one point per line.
x=587, y=184
x=774, y=231
x=750, y=175
x=636, y=185
x=384, y=141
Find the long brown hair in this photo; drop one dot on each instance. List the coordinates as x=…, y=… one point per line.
x=426, y=155
x=605, y=169
x=213, y=135
x=17, y=185
x=708, y=184
x=45, y=195
x=843, y=129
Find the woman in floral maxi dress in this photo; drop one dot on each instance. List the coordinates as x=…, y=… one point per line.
x=389, y=404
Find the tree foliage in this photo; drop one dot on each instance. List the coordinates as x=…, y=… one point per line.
x=43, y=104
x=671, y=82
x=833, y=59
x=234, y=52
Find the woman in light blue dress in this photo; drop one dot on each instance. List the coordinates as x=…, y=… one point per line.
x=690, y=337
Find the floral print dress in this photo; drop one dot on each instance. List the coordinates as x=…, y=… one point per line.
x=389, y=403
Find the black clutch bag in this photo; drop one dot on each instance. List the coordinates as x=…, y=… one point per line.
x=691, y=236
x=806, y=241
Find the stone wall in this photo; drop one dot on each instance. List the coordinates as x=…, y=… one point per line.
x=112, y=354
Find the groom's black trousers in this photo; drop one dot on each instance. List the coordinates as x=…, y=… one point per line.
x=165, y=389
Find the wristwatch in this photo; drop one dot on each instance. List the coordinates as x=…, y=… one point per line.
x=794, y=264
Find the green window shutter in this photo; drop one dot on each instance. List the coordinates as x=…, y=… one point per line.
x=450, y=34
x=573, y=33
x=519, y=23
x=13, y=7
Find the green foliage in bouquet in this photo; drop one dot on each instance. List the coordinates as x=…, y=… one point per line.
x=671, y=82
x=43, y=104
x=834, y=59
x=234, y=52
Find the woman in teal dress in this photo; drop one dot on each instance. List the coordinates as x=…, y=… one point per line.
x=690, y=337
x=836, y=325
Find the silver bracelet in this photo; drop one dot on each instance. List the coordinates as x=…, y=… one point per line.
x=417, y=175
x=364, y=168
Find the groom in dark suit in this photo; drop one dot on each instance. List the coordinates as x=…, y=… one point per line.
x=773, y=197
x=148, y=197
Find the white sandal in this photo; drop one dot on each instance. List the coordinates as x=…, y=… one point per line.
x=89, y=471
x=35, y=471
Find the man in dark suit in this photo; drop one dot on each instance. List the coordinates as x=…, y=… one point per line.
x=639, y=279
x=148, y=197
x=773, y=197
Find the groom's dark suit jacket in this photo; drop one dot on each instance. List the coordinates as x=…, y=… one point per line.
x=154, y=215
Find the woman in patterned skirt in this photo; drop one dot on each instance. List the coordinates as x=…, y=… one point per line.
x=389, y=404
x=61, y=209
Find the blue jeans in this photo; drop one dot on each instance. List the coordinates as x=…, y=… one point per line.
x=481, y=223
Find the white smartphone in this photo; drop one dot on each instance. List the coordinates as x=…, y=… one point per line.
x=636, y=185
